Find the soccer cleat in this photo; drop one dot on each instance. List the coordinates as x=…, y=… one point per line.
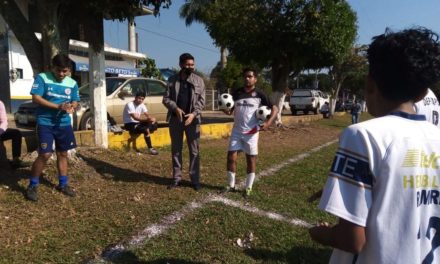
x=248, y=192
x=66, y=190
x=31, y=193
x=153, y=151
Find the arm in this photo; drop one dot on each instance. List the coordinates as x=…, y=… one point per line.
x=273, y=115
x=66, y=106
x=3, y=118
x=199, y=104
x=344, y=236
x=168, y=100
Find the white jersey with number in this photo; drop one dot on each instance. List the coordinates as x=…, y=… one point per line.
x=430, y=107
x=386, y=177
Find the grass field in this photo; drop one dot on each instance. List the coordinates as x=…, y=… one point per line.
x=123, y=201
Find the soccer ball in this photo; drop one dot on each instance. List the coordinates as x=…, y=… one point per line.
x=263, y=113
x=225, y=101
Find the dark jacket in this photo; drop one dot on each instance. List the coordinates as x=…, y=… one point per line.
x=197, y=95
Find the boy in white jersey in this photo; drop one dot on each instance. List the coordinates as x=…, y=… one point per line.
x=384, y=184
x=137, y=120
x=245, y=132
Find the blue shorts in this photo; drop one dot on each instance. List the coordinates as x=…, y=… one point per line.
x=62, y=135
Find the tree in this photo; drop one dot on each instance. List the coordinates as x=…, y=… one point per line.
x=199, y=11
x=286, y=36
x=353, y=65
x=149, y=68
x=58, y=21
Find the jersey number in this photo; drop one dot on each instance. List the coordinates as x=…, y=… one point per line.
x=434, y=223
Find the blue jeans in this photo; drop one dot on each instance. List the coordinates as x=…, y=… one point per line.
x=355, y=118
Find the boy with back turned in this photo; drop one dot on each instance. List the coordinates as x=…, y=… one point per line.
x=383, y=184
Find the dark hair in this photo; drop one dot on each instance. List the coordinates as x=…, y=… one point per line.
x=62, y=61
x=140, y=93
x=404, y=64
x=245, y=70
x=184, y=57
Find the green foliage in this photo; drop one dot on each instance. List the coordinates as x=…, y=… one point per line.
x=149, y=69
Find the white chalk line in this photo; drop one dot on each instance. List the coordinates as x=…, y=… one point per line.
x=168, y=221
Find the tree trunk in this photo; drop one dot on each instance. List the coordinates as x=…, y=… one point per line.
x=50, y=34
x=24, y=33
x=223, y=57
x=280, y=75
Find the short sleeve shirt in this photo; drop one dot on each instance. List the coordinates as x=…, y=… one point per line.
x=245, y=107
x=430, y=107
x=385, y=177
x=46, y=86
x=132, y=108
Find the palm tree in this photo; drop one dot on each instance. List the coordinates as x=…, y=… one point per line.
x=197, y=11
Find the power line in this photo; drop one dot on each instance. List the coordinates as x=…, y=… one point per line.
x=178, y=40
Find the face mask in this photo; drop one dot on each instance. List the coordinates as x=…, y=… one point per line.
x=188, y=71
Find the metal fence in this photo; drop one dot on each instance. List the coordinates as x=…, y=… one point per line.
x=211, y=102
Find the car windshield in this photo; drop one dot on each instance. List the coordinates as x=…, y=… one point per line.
x=111, y=85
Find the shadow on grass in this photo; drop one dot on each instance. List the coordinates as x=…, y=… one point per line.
x=130, y=258
x=111, y=172
x=296, y=255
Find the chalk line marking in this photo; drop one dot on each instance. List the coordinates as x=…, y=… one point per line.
x=168, y=221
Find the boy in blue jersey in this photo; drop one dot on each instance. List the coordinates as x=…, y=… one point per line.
x=383, y=184
x=57, y=96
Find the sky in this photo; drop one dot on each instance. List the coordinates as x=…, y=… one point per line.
x=165, y=37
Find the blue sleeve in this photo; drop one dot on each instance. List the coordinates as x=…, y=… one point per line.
x=75, y=94
x=38, y=87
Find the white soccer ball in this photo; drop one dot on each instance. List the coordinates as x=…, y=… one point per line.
x=263, y=113
x=225, y=101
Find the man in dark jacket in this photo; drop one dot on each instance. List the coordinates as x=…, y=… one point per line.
x=185, y=100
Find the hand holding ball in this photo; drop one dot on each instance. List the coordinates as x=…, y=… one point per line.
x=225, y=101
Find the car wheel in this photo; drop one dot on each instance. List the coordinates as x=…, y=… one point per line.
x=86, y=121
x=294, y=112
x=306, y=112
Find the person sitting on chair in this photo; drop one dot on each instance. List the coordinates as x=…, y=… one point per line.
x=137, y=120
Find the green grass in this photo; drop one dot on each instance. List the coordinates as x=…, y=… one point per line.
x=120, y=193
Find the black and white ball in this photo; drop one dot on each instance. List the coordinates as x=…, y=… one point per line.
x=263, y=113
x=225, y=101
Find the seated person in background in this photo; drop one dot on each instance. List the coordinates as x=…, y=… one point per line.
x=325, y=110
x=137, y=120
x=11, y=134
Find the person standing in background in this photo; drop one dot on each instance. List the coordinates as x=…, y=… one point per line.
x=355, y=112
x=185, y=100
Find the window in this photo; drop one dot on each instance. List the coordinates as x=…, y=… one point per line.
x=156, y=88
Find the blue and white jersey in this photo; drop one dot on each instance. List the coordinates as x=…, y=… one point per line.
x=49, y=88
x=245, y=106
x=386, y=177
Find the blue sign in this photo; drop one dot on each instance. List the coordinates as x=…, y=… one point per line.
x=84, y=67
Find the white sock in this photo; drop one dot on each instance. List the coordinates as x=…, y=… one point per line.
x=231, y=179
x=250, y=180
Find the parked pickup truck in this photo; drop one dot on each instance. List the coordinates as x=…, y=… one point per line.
x=307, y=100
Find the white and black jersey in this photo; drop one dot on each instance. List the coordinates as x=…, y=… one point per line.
x=245, y=106
x=430, y=107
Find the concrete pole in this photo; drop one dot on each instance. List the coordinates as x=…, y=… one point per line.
x=131, y=35
x=97, y=84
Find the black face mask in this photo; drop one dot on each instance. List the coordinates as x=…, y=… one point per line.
x=188, y=71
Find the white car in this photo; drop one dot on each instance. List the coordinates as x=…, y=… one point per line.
x=307, y=100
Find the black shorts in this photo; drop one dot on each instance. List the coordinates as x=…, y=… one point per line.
x=140, y=127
